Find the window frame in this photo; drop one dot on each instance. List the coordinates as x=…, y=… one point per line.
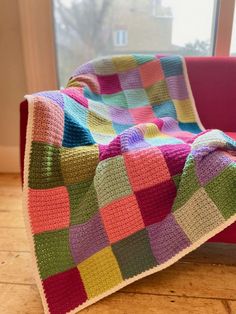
x=38, y=40
x=117, y=36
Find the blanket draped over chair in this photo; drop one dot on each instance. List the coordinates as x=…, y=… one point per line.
x=121, y=180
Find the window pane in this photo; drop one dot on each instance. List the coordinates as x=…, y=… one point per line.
x=233, y=40
x=86, y=29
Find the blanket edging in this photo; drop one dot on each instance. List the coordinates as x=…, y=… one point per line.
x=190, y=93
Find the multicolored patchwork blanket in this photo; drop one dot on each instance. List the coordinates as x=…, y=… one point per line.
x=120, y=180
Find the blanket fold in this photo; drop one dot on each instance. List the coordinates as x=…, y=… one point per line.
x=121, y=179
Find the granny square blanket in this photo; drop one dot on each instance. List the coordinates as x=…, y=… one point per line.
x=121, y=180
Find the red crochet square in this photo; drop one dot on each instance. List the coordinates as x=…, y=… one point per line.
x=156, y=202
x=109, y=84
x=64, y=291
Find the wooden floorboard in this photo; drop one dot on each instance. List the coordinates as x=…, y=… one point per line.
x=232, y=307
x=20, y=299
x=203, y=282
x=11, y=219
x=180, y=279
x=13, y=239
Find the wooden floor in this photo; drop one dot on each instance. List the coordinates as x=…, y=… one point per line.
x=204, y=282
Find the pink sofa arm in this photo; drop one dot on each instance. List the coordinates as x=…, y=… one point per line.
x=213, y=82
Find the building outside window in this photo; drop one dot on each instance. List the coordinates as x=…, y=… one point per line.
x=87, y=29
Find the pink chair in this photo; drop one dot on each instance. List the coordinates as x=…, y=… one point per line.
x=213, y=84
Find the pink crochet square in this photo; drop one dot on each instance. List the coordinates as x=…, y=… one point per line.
x=48, y=122
x=49, y=209
x=142, y=114
x=109, y=84
x=77, y=94
x=151, y=72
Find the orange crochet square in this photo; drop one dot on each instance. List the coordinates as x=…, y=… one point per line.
x=146, y=168
x=49, y=209
x=122, y=218
x=142, y=114
x=151, y=72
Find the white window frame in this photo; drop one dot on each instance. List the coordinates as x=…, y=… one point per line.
x=120, y=37
x=39, y=45
x=224, y=27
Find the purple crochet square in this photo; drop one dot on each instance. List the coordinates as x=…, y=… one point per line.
x=177, y=87
x=209, y=164
x=132, y=139
x=55, y=96
x=121, y=115
x=167, y=239
x=84, y=69
x=88, y=238
x=130, y=79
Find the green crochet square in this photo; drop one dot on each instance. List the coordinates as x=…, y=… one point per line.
x=78, y=164
x=117, y=99
x=53, y=252
x=176, y=178
x=140, y=59
x=83, y=202
x=44, y=169
x=222, y=191
x=136, y=97
x=134, y=254
x=158, y=93
x=188, y=185
x=111, y=180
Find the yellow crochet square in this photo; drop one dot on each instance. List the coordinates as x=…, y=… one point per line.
x=158, y=93
x=100, y=272
x=78, y=164
x=151, y=130
x=124, y=63
x=99, y=125
x=184, y=110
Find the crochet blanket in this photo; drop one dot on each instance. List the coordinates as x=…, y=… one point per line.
x=121, y=180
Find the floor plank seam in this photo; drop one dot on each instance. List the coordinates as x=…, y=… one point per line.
x=3, y=227
x=227, y=306
x=14, y=251
x=178, y=296
x=224, y=301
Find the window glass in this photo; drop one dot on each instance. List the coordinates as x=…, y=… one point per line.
x=86, y=29
x=120, y=37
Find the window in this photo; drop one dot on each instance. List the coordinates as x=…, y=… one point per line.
x=120, y=37
x=85, y=29
x=158, y=10
x=233, y=39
